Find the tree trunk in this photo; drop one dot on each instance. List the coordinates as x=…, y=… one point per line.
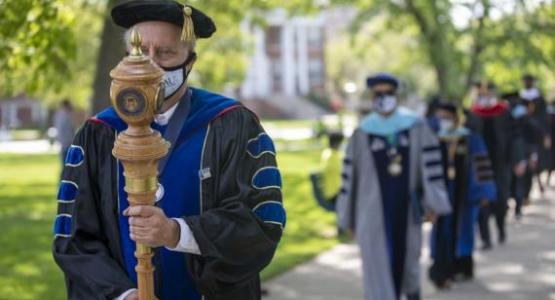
x=110, y=53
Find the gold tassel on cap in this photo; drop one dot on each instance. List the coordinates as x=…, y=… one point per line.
x=188, y=32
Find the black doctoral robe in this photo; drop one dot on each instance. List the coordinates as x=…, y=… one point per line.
x=236, y=231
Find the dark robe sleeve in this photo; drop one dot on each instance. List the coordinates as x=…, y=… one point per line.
x=243, y=217
x=80, y=244
x=516, y=140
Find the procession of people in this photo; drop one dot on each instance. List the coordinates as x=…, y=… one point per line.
x=219, y=214
x=458, y=169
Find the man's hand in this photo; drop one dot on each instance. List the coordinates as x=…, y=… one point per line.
x=132, y=296
x=547, y=143
x=484, y=203
x=430, y=217
x=149, y=226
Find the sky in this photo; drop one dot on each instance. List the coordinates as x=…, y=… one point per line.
x=463, y=11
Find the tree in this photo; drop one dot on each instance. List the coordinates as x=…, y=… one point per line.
x=37, y=45
x=455, y=51
x=111, y=51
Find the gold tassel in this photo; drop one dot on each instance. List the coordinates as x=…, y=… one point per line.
x=188, y=32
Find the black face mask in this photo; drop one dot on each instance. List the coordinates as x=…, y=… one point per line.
x=175, y=77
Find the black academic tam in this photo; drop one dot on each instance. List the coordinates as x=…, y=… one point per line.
x=133, y=12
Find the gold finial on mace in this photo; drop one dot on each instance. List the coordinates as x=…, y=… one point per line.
x=136, y=94
x=136, y=41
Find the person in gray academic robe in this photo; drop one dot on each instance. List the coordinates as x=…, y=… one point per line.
x=392, y=178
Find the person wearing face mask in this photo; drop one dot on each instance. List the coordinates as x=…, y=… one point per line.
x=551, y=126
x=469, y=180
x=392, y=178
x=534, y=100
x=523, y=112
x=219, y=215
x=492, y=119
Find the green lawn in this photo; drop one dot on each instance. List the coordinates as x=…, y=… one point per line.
x=28, y=185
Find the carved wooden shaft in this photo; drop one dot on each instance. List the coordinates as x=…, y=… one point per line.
x=136, y=94
x=139, y=156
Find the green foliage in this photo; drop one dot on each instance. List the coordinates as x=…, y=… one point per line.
x=49, y=47
x=498, y=40
x=37, y=45
x=370, y=49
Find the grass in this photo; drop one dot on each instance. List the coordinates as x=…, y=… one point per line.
x=28, y=185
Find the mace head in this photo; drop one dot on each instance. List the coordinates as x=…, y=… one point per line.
x=137, y=89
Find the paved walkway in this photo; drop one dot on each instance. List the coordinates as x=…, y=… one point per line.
x=523, y=269
x=28, y=147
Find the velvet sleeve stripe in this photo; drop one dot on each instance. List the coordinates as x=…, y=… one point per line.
x=62, y=225
x=261, y=145
x=75, y=156
x=267, y=178
x=483, y=168
x=67, y=192
x=435, y=178
x=271, y=212
x=433, y=163
x=432, y=148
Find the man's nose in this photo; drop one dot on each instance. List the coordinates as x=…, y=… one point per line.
x=151, y=52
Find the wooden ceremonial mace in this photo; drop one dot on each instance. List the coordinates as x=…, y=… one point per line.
x=137, y=92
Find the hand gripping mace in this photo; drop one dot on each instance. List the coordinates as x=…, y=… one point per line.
x=136, y=93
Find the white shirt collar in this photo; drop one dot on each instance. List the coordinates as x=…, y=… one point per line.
x=164, y=118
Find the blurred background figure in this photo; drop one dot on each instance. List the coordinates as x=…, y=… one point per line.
x=65, y=127
x=331, y=166
x=492, y=119
x=470, y=183
x=326, y=182
x=551, y=112
x=533, y=134
x=536, y=105
x=391, y=169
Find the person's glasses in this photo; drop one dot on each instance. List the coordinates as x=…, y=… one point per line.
x=384, y=93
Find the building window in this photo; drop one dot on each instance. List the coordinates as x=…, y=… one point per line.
x=273, y=40
x=315, y=38
x=316, y=72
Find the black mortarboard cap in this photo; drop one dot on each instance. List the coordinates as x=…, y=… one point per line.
x=189, y=18
x=448, y=106
x=382, y=78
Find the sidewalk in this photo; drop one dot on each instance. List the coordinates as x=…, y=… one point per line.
x=523, y=269
x=28, y=147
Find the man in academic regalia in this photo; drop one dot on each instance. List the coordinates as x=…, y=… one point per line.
x=219, y=214
x=523, y=111
x=551, y=111
x=469, y=180
x=392, y=176
x=536, y=104
x=492, y=119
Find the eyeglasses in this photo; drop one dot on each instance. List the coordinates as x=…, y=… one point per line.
x=384, y=93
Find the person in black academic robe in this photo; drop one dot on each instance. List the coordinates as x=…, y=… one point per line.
x=469, y=180
x=219, y=193
x=533, y=98
x=524, y=113
x=491, y=118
